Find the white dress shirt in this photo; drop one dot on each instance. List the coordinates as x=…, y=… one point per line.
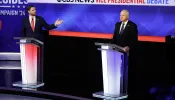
x=124, y=24
x=30, y=19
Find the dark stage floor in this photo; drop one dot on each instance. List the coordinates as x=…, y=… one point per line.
x=18, y=97
x=10, y=72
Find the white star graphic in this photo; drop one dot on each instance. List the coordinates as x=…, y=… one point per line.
x=23, y=6
x=13, y=6
x=18, y=6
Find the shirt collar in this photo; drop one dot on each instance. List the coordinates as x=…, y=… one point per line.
x=125, y=22
x=31, y=17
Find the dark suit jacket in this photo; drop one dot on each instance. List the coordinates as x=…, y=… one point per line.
x=38, y=32
x=129, y=37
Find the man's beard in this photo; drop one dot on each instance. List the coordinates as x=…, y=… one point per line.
x=33, y=14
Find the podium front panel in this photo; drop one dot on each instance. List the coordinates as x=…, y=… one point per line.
x=114, y=68
x=111, y=63
x=31, y=52
x=29, y=63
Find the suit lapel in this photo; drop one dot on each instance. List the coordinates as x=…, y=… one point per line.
x=126, y=27
x=118, y=27
x=29, y=24
x=36, y=22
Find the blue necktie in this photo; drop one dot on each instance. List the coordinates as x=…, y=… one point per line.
x=121, y=31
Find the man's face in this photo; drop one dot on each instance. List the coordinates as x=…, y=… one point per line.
x=32, y=11
x=123, y=16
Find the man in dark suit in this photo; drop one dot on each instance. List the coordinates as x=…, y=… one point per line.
x=126, y=33
x=126, y=36
x=32, y=25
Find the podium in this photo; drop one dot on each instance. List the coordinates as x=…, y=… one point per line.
x=115, y=72
x=31, y=52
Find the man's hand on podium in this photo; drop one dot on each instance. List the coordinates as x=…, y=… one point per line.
x=58, y=22
x=126, y=49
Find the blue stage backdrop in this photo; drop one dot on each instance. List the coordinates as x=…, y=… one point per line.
x=151, y=20
x=11, y=14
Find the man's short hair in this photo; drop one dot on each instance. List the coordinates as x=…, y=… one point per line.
x=127, y=12
x=29, y=7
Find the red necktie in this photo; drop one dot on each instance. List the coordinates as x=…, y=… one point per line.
x=32, y=24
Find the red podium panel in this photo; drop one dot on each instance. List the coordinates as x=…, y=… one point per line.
x=29, y=63
x=31, y=67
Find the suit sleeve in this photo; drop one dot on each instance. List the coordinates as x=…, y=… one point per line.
x=47, y=26
x=133, y=36
x=114, y=35
x=23, y=31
